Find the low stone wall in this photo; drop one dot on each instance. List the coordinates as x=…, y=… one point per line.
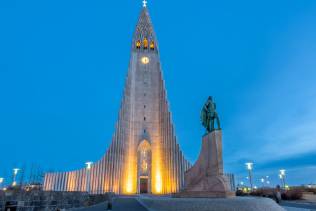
x=208, y=204
x=41, y=200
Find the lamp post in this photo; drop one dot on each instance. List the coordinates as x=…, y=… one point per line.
x=267, y=180
x=249, y=167
x=88, y=169
x=262, y=181
x=15, y=172
x=1, y=181
x=282, y=177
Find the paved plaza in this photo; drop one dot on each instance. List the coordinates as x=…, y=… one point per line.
x=143, y=203
x=119, y=204
x=298, y=206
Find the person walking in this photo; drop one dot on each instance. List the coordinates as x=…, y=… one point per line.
x=278, y=196
x=110, y=202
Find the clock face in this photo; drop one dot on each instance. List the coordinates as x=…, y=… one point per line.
x=145, y=60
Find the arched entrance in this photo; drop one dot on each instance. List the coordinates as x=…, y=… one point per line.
x=144, y=167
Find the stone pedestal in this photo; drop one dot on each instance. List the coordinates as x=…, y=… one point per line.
x=205, y=178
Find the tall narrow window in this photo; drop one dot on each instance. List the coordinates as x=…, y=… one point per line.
x=138, y=44
x=145, y=43
x=152, y=45
x=144, y=118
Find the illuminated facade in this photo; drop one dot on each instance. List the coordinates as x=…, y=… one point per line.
x=144, y=156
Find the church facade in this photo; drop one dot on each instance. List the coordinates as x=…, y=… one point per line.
x=144, y=156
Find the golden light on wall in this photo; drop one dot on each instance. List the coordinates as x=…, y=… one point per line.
x=129, y=186
x=157, y=168
x=130, y=179
x=158, y=183
x=130, y=170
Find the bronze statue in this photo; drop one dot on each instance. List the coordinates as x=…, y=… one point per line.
x=209, y=115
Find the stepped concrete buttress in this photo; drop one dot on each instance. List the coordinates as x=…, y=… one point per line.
x=206, y=178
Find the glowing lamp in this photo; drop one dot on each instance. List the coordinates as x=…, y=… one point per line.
x=89, y=165
x=15, y=171
x=282, y=172
x=249, y=166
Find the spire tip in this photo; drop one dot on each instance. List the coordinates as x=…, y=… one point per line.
x=145, y=3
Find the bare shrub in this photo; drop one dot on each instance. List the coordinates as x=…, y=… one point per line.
x=294, y=194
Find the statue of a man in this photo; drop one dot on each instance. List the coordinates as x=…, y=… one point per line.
x=209, y=116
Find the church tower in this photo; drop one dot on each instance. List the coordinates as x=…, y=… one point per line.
x=144, y=156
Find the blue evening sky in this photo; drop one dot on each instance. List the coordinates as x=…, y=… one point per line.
x=63, y=66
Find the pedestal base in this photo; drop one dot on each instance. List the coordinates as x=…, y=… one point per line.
x=205, y=178
x=204, y=194
x=208, y=187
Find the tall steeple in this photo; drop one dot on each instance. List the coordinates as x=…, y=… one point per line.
x=144, y=156
x=144, y=36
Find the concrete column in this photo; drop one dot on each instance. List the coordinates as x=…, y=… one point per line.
x=98, y=177
x=45, y=183
x=88, y=177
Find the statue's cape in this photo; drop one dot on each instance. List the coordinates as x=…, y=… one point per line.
x=203, y=117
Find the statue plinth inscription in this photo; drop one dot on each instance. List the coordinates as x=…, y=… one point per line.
x=206, y=178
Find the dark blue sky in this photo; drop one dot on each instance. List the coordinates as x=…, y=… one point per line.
x=63, y=66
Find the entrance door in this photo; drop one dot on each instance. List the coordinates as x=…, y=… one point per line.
x=143, y=185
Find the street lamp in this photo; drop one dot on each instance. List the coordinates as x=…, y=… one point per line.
x=1, y=181
x=267, y=180
x=282, y=176
x=262, y=181
x=15, y=172
x=249, y=167
x=88, y=167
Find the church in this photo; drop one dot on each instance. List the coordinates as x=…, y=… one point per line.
x=144, y=156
